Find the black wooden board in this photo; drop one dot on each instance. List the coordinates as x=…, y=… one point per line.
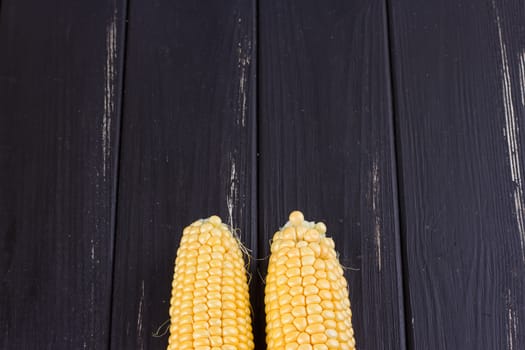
x=326, y=146
x=249, y=110
x=188, y=147
x=60, y=65
x=460, y=108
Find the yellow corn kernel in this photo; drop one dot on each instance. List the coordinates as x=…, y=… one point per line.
x=306, y=296
x=209, y=306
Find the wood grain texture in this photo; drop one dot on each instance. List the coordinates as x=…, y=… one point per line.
x=59, y=104
x=460, y=85
x=188, y=147
x=325, y=128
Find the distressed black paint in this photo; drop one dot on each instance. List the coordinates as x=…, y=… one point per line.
x=459, y=122
x=60, y=67
x=187, y=147
x=326, y=146
x=215, y=122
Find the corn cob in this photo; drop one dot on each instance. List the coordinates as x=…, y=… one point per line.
x=306, y=295
x=210, y=302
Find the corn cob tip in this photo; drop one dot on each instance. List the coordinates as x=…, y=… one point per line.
x=215, y=220
x=296, y=218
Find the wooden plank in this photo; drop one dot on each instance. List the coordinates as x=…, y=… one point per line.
x=460, y=82
x=59, y=114
x=188, y=147
x=326, y=146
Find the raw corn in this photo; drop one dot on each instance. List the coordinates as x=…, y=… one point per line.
x=306, y=295
x=210, y=307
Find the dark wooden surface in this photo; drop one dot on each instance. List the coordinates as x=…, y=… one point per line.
x=326, y=146
x=460, y=121
x=60, y=68
x=188, y=148
x=398, y=123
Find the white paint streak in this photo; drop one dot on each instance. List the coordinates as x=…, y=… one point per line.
x=139, y=316
x=512, y=323
x=92, y=307
x=109, y=90
x=511, y=133
x=522, y=77
x=376, y=187
x=231, y=197
x=244, y=47
x=92, y=250
x=92, y=286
